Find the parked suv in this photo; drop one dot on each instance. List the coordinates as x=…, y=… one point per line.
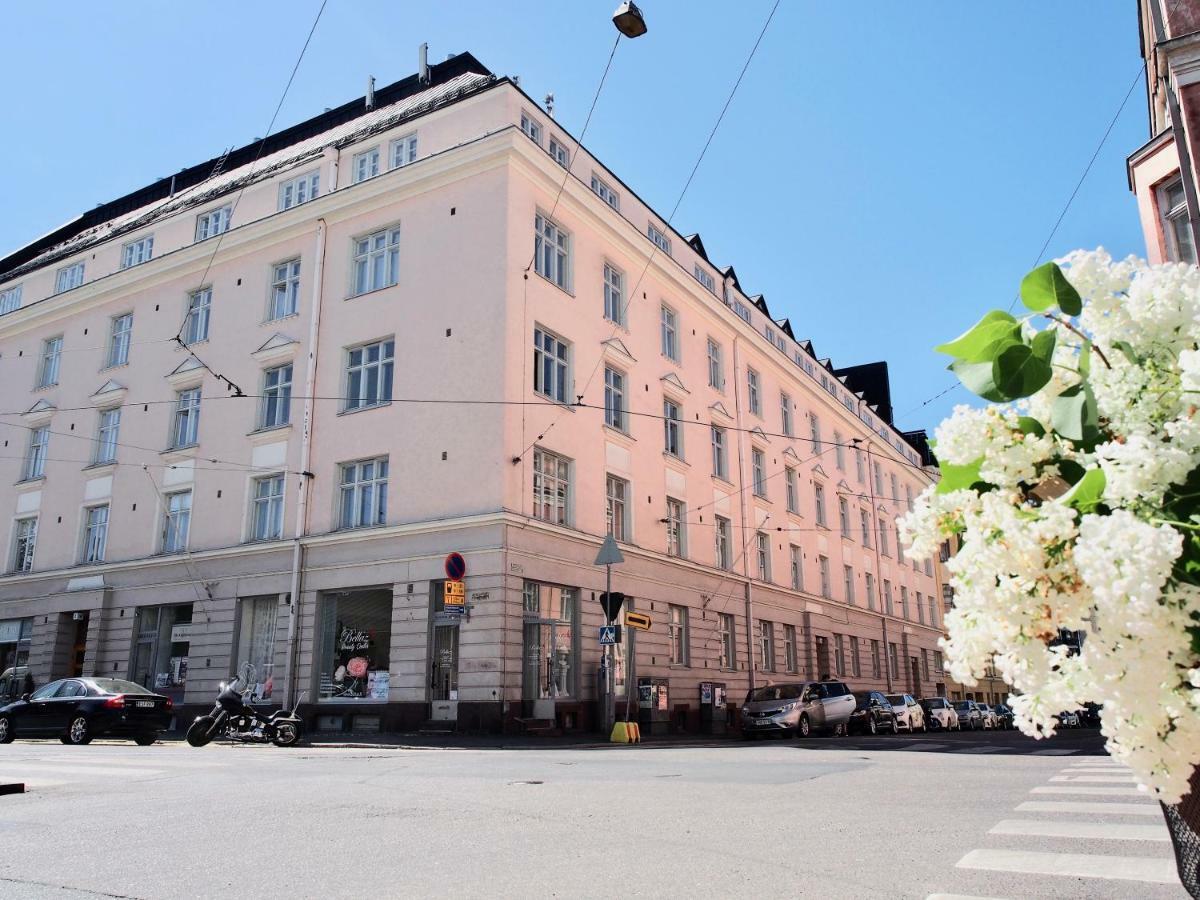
x=939, y=714
x=968, y=714
x=910, y=716
x=872, y=714
x=798, y=708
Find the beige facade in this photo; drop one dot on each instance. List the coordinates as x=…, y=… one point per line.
x=451, y=344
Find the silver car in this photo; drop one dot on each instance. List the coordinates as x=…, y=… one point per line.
x=987, y=715
x=939, y=714
x=798, y=708
x=910, y=716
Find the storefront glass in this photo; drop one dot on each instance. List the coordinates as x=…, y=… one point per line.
x=549, y=646
x=355, y=641
x=255, y=656
x=162, y=635
x=15, y=635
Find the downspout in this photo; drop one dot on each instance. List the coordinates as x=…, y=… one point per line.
x=301, y=527
x=737, y=414
x=1177, y=131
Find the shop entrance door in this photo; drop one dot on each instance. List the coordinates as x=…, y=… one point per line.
x=822, y=657
x=547, y=666
x=444, y=680
x=79, y=645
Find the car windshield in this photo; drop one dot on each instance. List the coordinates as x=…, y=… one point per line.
x=896, y=699
x=964, y=705
x=119, y=686
x=863, y=700
x=775, y=692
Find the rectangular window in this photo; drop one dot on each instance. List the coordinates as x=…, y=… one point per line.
x=614, y=398
x=758, y=462
x=706, y=279
x=403, y=150
x=186, y=430
x=865, y=521
x=762, y=552
x=848, y=584
x=858, y=465
x=719, y=455
x=676, y=533
x=376, y=261
x=932, y=610
x=870, y=587
x=855, y=662
x=814, y=427
x=938, y=665
x=551, y=252
x=369, y=374
x=10, y=299
x=920, y=609
x=819, y=502
x=95, y=533
x=908, y=497
x=604, y=192
x=797, y=563
x=839, y=654
x=793, y=490
x=895, y=496
x=766, y=645
x=725, y=626
x=256, y=643
x=364, y=493
x=35, y=458
x=883, y=538
x=844, y=516
x=106, y=435
x=899, y=547
x=839, y=452
x=785, y=413
x=894, y=660
x=1172, y=209
x=51, y=358
x=285, y=290
x=752, y=397
x=672, y=429
x=616, y=495
x=119, y=339
x=724, y=538
x=213, y=222
x=876, y=670
x=878, y=480
x=277, y=397
x=550, y=359
x=551, y=487
x=614, y=295
x=660, y=240
x=177, y=518
x=742, y=310
x=887, y=598
x=669, y=331
x=195, y=325
x=353, y=645
x=299, y=190
x=559, y=153
x=678, y=635
x=532, y=129
x=716, y=369
x=903, y=601
x=823, y=568
x=789, y=648
x=68, y=278
x=266, y=517
x=365, y=164
x=137, y=252
x=24, y=544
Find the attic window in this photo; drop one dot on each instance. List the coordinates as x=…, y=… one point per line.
x=660, y=240
x=705, y=279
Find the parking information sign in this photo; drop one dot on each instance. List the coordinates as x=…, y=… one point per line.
x=608, y=635
x=455, y=597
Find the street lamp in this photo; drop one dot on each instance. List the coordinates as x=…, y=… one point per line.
x=629, y=20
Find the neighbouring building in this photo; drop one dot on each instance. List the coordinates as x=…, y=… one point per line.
x=251, y=408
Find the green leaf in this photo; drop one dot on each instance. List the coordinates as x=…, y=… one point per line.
x=956, y=478
x=1030, y=425
x=1085, y=496
x=1085, y=359
x=1019, y=372
x=977, y=378
x=1127, y=350
x=981, y=341
x=1074, y=414
x=1047, y=286
x=1043, y=345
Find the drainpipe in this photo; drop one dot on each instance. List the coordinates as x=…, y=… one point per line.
x=737, y=413
x=874, y=521
x=301, y=527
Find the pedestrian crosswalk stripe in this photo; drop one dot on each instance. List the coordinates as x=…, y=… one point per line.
x=1054, y=751
x=1097, y=764
x=1088, y=789
x=1073, y=865
x=1086, y=830
x=1073, y=806
x=1096, y=779
x=1094, y=770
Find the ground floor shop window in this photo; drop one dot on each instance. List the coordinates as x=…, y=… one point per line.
x=15, y=638
x=354, y=634
x=161, y=638
x=550, y=615
x=255, y=657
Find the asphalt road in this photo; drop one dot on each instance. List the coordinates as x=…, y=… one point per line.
x=982, y=815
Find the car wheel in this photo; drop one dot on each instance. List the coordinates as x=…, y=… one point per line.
x=895, y=726
x=79, y=732
x=6, y=730
x=804, y=728
x=872, y=725
x=145, y=740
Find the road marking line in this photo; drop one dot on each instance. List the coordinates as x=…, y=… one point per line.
x=1098, y=764
x=1072, y=865
x=1093, y=770
x=1079, y=806
x=1101, y=830
x=1093, y=791
x=1096, y=779
x=1056, y=751
x=51, y=769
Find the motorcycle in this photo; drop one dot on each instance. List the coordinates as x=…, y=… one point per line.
x=233, y=718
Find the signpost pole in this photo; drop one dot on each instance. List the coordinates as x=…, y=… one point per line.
x=609, y=706
x=609, y=555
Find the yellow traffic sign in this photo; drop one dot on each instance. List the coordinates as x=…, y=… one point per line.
x=456, y=593
x=641, y=621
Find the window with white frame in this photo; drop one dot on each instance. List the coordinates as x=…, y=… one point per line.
x=24, y=544
x=705, y=279
x=551, y=357
x=920, y=609
x=614, y=294
x=789, y=648
x=614, y=398
x=266, y=513
x=716, y=368
x=95, y=533
x=797, y=566
x=369, y=374
x=858, y=465
x=887, y=598
x=677, y=633
x=929, y=567
x=10, y=299
x=720, y=455
x=676, y=533
x=848, y=584
x=743, y=310
x=137, y=252
x=814, y=428
x=186, y=427
x=883, y=538
x=552, y=252
x=793, y=490
x=363, y=494
x=51, y=359
x=865, y=521
x=551, y=487
x=119, y=338
x=869, y=579
x=758, y=465
x=762, y=553
x=839, y=452
x=672, y=428
x=823, y=569
x=728, y=651
x=839, y=654
x=376, y=261
x=938, y=664
x=199, y=310
x=932, y=603
x=752, y=392
x=559, y=153
x=723, y=546
x=819, y=502
x=602, y=190
x=855, y=661
x=177, y=520
x=899, y=545
x=895, y=495
x=903, y=602
x=299, y=190
x=659, y=239
x=894, y=659
x=107, y=430
x=532, y=128
x=285, y=290
x=766, y=645
x=68, y=277
x=213, y=222
x=1177, y=228
x=403, y=150
x=669, y=330
x=616, y=496
x=908, y=497
x=365, y=164
x=277, y=397
x=785, y=413
x=844, y=516
x=878, y=480
x=35, y=456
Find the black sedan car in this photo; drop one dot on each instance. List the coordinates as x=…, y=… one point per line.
x=75, y=710
x=872, y=714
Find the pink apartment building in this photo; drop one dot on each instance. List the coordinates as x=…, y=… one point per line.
x=385, y=325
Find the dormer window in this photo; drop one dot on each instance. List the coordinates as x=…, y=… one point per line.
x=660, y=240
x=605, y=193
x=705, y=279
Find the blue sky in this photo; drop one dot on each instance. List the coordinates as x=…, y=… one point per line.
x=882, y=179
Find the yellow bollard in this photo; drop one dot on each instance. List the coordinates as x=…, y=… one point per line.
x=620, y=734
x=635, y=732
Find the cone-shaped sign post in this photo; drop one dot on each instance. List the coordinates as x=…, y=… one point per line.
x=609, y=555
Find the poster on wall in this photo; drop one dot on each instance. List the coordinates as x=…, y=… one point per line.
x=378, y=685
x=705, y=693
